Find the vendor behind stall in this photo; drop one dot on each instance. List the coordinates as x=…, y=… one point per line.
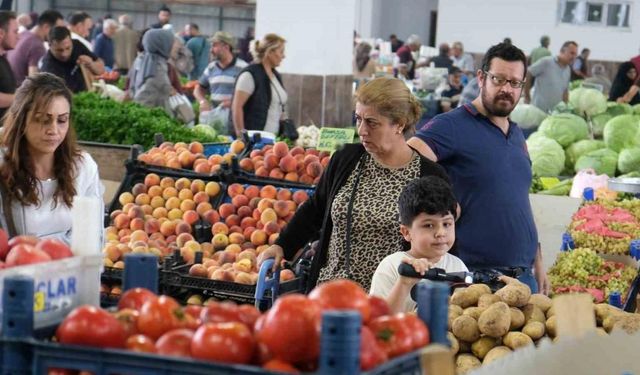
x=354, y=209
x=42, y=167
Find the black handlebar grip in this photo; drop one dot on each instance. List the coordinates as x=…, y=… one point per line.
x=405, y=269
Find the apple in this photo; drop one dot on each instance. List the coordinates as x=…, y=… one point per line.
x=26, y=254
x=55, y=248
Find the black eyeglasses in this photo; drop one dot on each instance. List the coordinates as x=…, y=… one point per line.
x=499, y=81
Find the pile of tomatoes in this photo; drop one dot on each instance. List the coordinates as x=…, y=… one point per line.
x=285, y=338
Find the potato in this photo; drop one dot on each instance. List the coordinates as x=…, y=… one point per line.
x=516, y=340
x=601, y=331
x=517, y=318
x=480, y=289
x=515, y=294
x=495, y=321
x=495, y=353
x=466, y=363
x=603, y=310
x=464, y=298
x=473, y=312
x=534, y=329
x=456, y=309
x=551, y=326
x=487, y=300
x=611, y=320
x=551, y=312
x=465, y=328
x=481, y=347
x=542, y=301
x=533, y=312
x=629, y=323
x=455, y=346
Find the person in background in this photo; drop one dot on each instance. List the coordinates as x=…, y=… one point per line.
x=407, y=67
x=428, y=211
x=199, y=47
x=485, y=155
x=580, y=66
x=8, y=41
x=80, y=24
x=244, y=44
x=98, y=27
x=552, y=76
x=470, y=91
x=540, y=51
x=164, y=17
x=624, y=88
x=364, y=67
x=354, y=209
x=24, y=59
x=125, y=42
x=42, y=167
x=451, y=96
x=219, y=77
x=65, y=57
x=462, y=60
x=24, y=22
x=442, y=60
x=395, y=43
x=104, y=47
x=259, y=98
x=599, y=77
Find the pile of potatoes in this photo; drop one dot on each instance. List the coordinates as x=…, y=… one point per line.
x=484, y=326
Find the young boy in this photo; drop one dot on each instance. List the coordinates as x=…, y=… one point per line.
x=427, y=220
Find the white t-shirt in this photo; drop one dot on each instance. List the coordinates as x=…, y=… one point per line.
x=387, y=274
x=278, y=99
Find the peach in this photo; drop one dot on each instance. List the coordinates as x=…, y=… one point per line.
x=271, y=161
x=258, y=237
x=220, y=241
x=121, y=221
x=247, y=222
x=138, y=189
x=261, y=248
x=292, y=207
x=188, y=255
x=183, y=238
x=136, y=212
x=281, y=208
x=244, y=211
x=203, y=207
x=174, y=163
x=253, y=203
x=252, y=191
x=155, y=191
x=167, y=182
x=291, y=176
x=236, y=146
x=171, y=240
x=187, y=205
x=175, y=213
x=286, y=275
x=151, y=179
x=112, y=253
x=276, y=173
x=297, y=150
x=235, y=189
x=247, y=232
x=288, y=164
x=300, y=197
x=233, y=248
x=219, y=228
x=182, y=227
x=306, y=179
x=147, y=209
x=272, y=238
x=127, y=207
x=246, y=164
x=314, y=169
x=212, y=188
x=325, y=161
x=262, y=172
x=265, y=204
x=243, y=265
x=200, y=197
x=310, y=158
x=268, y=215
x=283, y=194
x=280, y=149
x=139, y=235
x=236, y=238
x=190, y=217
x=196, y=147
x=115, y=213
x=260, y=225
x=228, y=157
x=169, y=192
x=271, y=227
x=203, y=168
x=193, y=245
x=199, y=270
x=235, y=229
x=159, y=212
x=226, y=209
x=125, y=198
x=243, y=278
x=186, y=159
x=168, y=228
x=183, y=183
x=232, y=220
x=268, y=191
x=157, y=202
x=124, y=232
x=255, y=153
x=151, y=226
x=211, y=216
x=256, y=214
x=185, y=194
x=248, y=254
x=197, y=185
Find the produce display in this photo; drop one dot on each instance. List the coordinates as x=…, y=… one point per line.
x=23, y=250
x=308, y=136
x=286, y=338
x=277, y=161
x=190, y=156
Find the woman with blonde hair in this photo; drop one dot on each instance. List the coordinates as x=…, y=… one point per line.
x=259, y=98
x=41, y=167
x=354, y=209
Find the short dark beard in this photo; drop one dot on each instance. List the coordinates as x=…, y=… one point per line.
x=492, y=109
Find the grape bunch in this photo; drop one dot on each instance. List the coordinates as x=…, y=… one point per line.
x=602, y=244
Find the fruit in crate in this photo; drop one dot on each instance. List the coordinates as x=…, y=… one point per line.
x=279, y=162
x=190, y=156
x=604, y=228
x=24, y=250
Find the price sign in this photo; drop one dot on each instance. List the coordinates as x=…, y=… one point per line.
x=332, y=138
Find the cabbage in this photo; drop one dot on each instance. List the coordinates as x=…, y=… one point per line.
x=620, y=132
x=636, y=109
x=564, y=128
x=587, y=102
x=580, y=148
x=629, y=160
x=547, y=156
x=616, y=109
x=527, y=116
x=205, y=129
x=598, y=122
x=535, y=135
x=603, y=161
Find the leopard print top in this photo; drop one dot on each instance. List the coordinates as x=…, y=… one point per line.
x=375, y=227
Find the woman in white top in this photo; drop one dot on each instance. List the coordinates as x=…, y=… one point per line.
x=42, y=169
x=259, y=98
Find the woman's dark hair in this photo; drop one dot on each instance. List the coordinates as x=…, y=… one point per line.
x=506, y=52
x=17, y=172
x=430, y=195
x=621, y=83
x=139, y=45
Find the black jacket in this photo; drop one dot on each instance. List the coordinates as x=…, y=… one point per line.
x=313, y=218
x=257, y=106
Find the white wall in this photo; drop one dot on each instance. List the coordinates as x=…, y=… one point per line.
x=479, y=24
x=381, y=18
x=319, y=33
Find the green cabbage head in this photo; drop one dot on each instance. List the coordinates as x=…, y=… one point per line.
x=564, y=128
x=574, y=151
x=629, y=160
x=547, y=156
x=527, y=115
x=587, y=102
x=603, y=161
x=620, y=132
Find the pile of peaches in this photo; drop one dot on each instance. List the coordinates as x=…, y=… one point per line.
x=190, y=156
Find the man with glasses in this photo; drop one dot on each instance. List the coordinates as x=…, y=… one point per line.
x=486, y=157
x=552, y=76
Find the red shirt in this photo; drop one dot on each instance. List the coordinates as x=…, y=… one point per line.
x=405, y=56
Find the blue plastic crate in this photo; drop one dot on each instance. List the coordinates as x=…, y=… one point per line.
x=216, y=148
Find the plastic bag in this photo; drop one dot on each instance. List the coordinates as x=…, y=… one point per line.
x=182, y=109
x=587, y=178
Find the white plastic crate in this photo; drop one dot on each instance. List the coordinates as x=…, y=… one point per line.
x=60, y=286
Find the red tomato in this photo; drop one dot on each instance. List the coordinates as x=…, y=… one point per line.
x=379, y=307
x=419, y=330
x=393, y=336
x=176, y=342
x=230, y=342
x=220, y=312
x=141, y=343
x=23, y=239
x=248, y=315
x=55, y=248
x=129, y=320
x=342, y=295
x=26, y=254
x=135, y=298
x=280, y=366
x=291, y=329
x=4, y=244
x=158, y=316
x=61, y=371
x=193, y=310
x=371, y=355
x=91, y=326
x=189, y=322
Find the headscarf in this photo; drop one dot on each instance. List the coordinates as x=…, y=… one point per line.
x=621, y=84
x=157, y=45
x=362, y=55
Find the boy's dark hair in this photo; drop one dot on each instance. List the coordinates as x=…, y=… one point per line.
x=506, y=52
x=164, y=8
x=78, y=17
x=5, y=17
x=431, y=195
x=49, y=17
x=58, y=34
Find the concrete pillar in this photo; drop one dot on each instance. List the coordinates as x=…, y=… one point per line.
x=317, y=70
